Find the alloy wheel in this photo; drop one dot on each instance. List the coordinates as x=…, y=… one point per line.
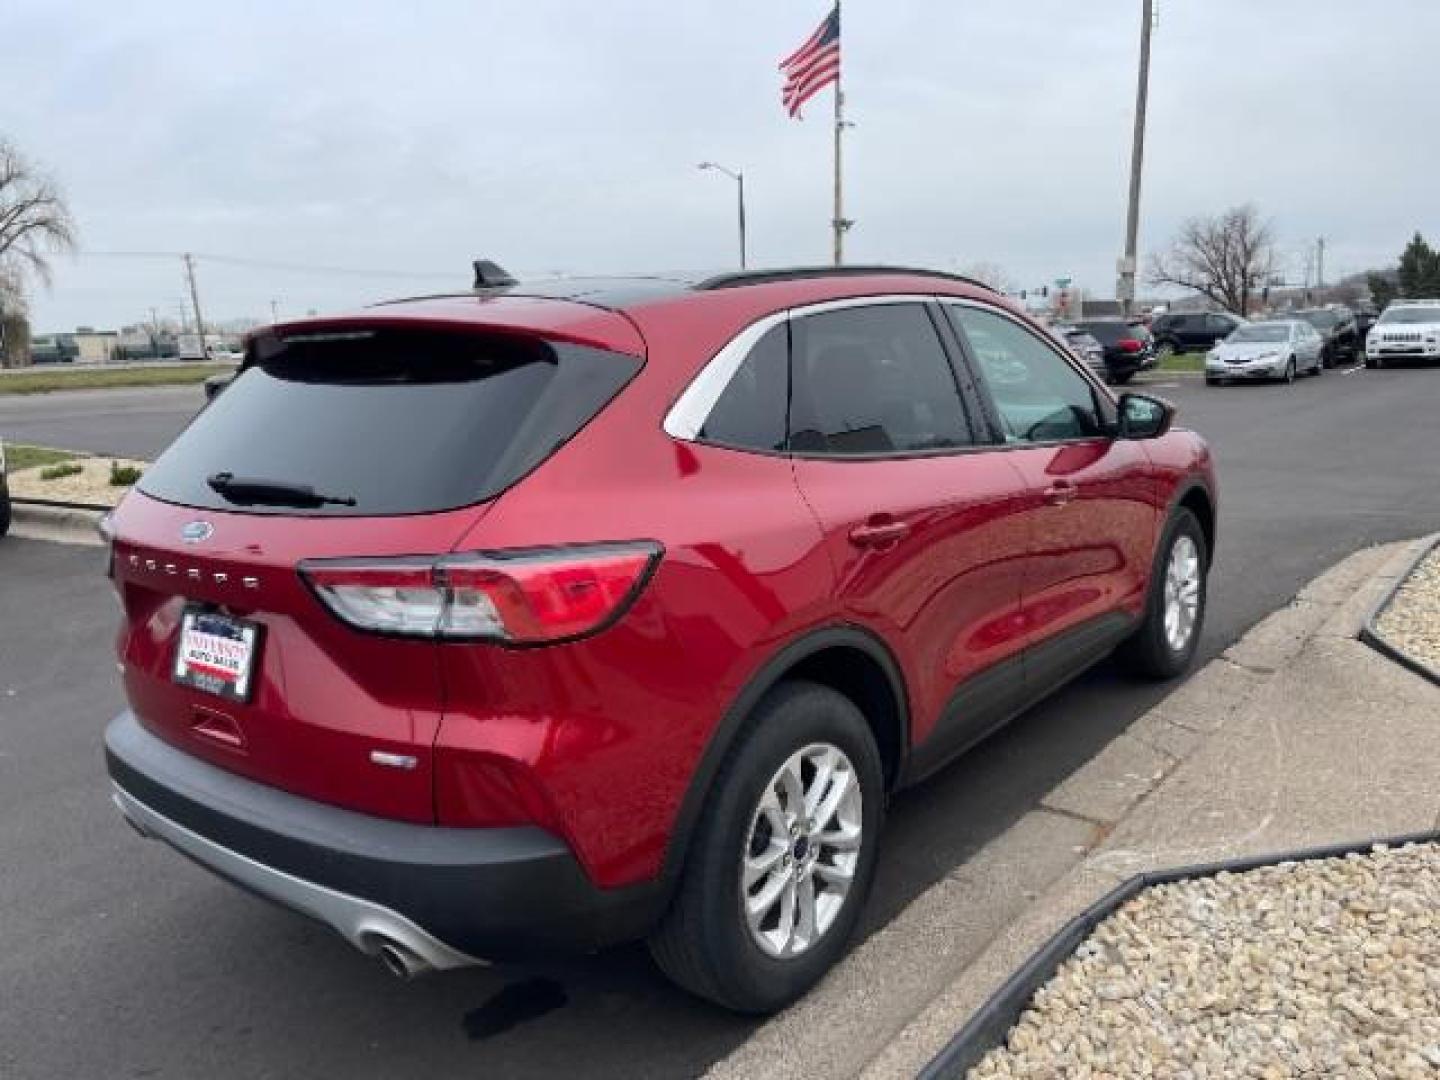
x=802, y=851
x=1182, y=593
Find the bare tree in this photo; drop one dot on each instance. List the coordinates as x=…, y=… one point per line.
x=35, y=223
x=989, y=273
x=1224, y=258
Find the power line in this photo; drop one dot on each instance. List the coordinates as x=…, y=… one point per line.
x=271, y=264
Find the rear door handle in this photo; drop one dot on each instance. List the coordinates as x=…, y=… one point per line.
x=879, y=533
x=1061, y=493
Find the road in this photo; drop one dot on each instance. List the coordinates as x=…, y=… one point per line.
x=119, y=959
x=138, y=422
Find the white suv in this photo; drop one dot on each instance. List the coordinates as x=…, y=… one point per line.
x=1409, y=329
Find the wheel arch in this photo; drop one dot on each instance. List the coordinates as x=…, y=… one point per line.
x=1196, y=498
x=845, y=657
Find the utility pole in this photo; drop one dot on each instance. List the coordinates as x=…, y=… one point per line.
x=274, y=311
x=1320, y=268
x=1126, y=284
x=195, y=301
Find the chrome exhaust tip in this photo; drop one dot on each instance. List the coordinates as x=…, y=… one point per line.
x=400, y=961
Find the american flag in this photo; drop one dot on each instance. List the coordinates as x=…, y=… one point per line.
x=813, y=66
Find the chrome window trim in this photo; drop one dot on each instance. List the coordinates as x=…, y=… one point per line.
x=687, y=417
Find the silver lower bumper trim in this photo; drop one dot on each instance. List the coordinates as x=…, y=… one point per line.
x=368, y=926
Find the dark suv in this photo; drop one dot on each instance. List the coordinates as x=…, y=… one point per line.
x=1191, y=331
x=546, y=617
x=1127, y=346
x=1338, y=328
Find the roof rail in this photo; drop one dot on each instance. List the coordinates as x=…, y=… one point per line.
x=799, y=273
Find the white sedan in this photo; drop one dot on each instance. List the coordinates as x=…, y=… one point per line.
x=1280, y=349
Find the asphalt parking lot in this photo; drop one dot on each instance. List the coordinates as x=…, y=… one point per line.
x=135, y=422
x=118, y=959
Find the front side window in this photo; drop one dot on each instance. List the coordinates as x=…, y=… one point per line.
x=1039, y=396
x=874, y=380
x=750, y=414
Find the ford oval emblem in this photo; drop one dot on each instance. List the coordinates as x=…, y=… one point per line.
x=193, y=532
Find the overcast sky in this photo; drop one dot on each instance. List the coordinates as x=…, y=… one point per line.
x=561, y=136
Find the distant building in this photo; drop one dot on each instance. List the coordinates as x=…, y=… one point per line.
x=95, y=346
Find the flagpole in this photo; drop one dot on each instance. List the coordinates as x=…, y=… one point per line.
x=838, y=223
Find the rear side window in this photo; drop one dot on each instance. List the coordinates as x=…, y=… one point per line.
x=874, y=380
x=751, y=413
x=388, y=421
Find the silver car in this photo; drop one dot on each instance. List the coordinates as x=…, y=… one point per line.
x=1279, y=349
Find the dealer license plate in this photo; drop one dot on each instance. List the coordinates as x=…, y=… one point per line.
x=216, y=654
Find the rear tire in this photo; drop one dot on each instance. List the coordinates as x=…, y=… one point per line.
x=4, y=509
x=1156, y=650
x=707, y=942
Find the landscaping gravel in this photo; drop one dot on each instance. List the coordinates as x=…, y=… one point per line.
x=1321, y=968
x=90, y=485
x=1412, y=621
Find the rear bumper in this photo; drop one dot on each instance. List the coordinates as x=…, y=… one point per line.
x=1126, y=364
x=439, y=897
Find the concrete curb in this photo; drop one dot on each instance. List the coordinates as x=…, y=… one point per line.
x=1370, y=633
x=892, y=1005
x=57, y=523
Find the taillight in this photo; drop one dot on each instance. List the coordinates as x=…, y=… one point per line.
x=521, y=598
x=1129, y=345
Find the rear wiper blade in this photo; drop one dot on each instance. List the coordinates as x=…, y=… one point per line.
x=251, y=491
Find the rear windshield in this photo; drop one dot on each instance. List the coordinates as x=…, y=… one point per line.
x=382, y=422
x=1321, y=320
x=1111, y=332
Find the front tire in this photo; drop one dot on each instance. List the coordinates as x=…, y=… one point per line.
x=779, y=868
x=4, y=508
x=1290, y=372
x=1169, y=633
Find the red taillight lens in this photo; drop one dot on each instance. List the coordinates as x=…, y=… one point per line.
x=522, y=598
x=1130, y=345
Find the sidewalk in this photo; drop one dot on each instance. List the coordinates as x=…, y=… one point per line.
x=1324, y=741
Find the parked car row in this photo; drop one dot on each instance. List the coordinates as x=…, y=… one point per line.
x=1114, y=349
x=1309, y=341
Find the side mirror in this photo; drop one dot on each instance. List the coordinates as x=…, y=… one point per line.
x=216, y=384
x=1144, y=417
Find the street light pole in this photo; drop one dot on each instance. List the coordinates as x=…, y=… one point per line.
x=739, y=178
x=1137, y=159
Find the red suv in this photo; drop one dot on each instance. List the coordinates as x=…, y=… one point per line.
x=546, y=617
